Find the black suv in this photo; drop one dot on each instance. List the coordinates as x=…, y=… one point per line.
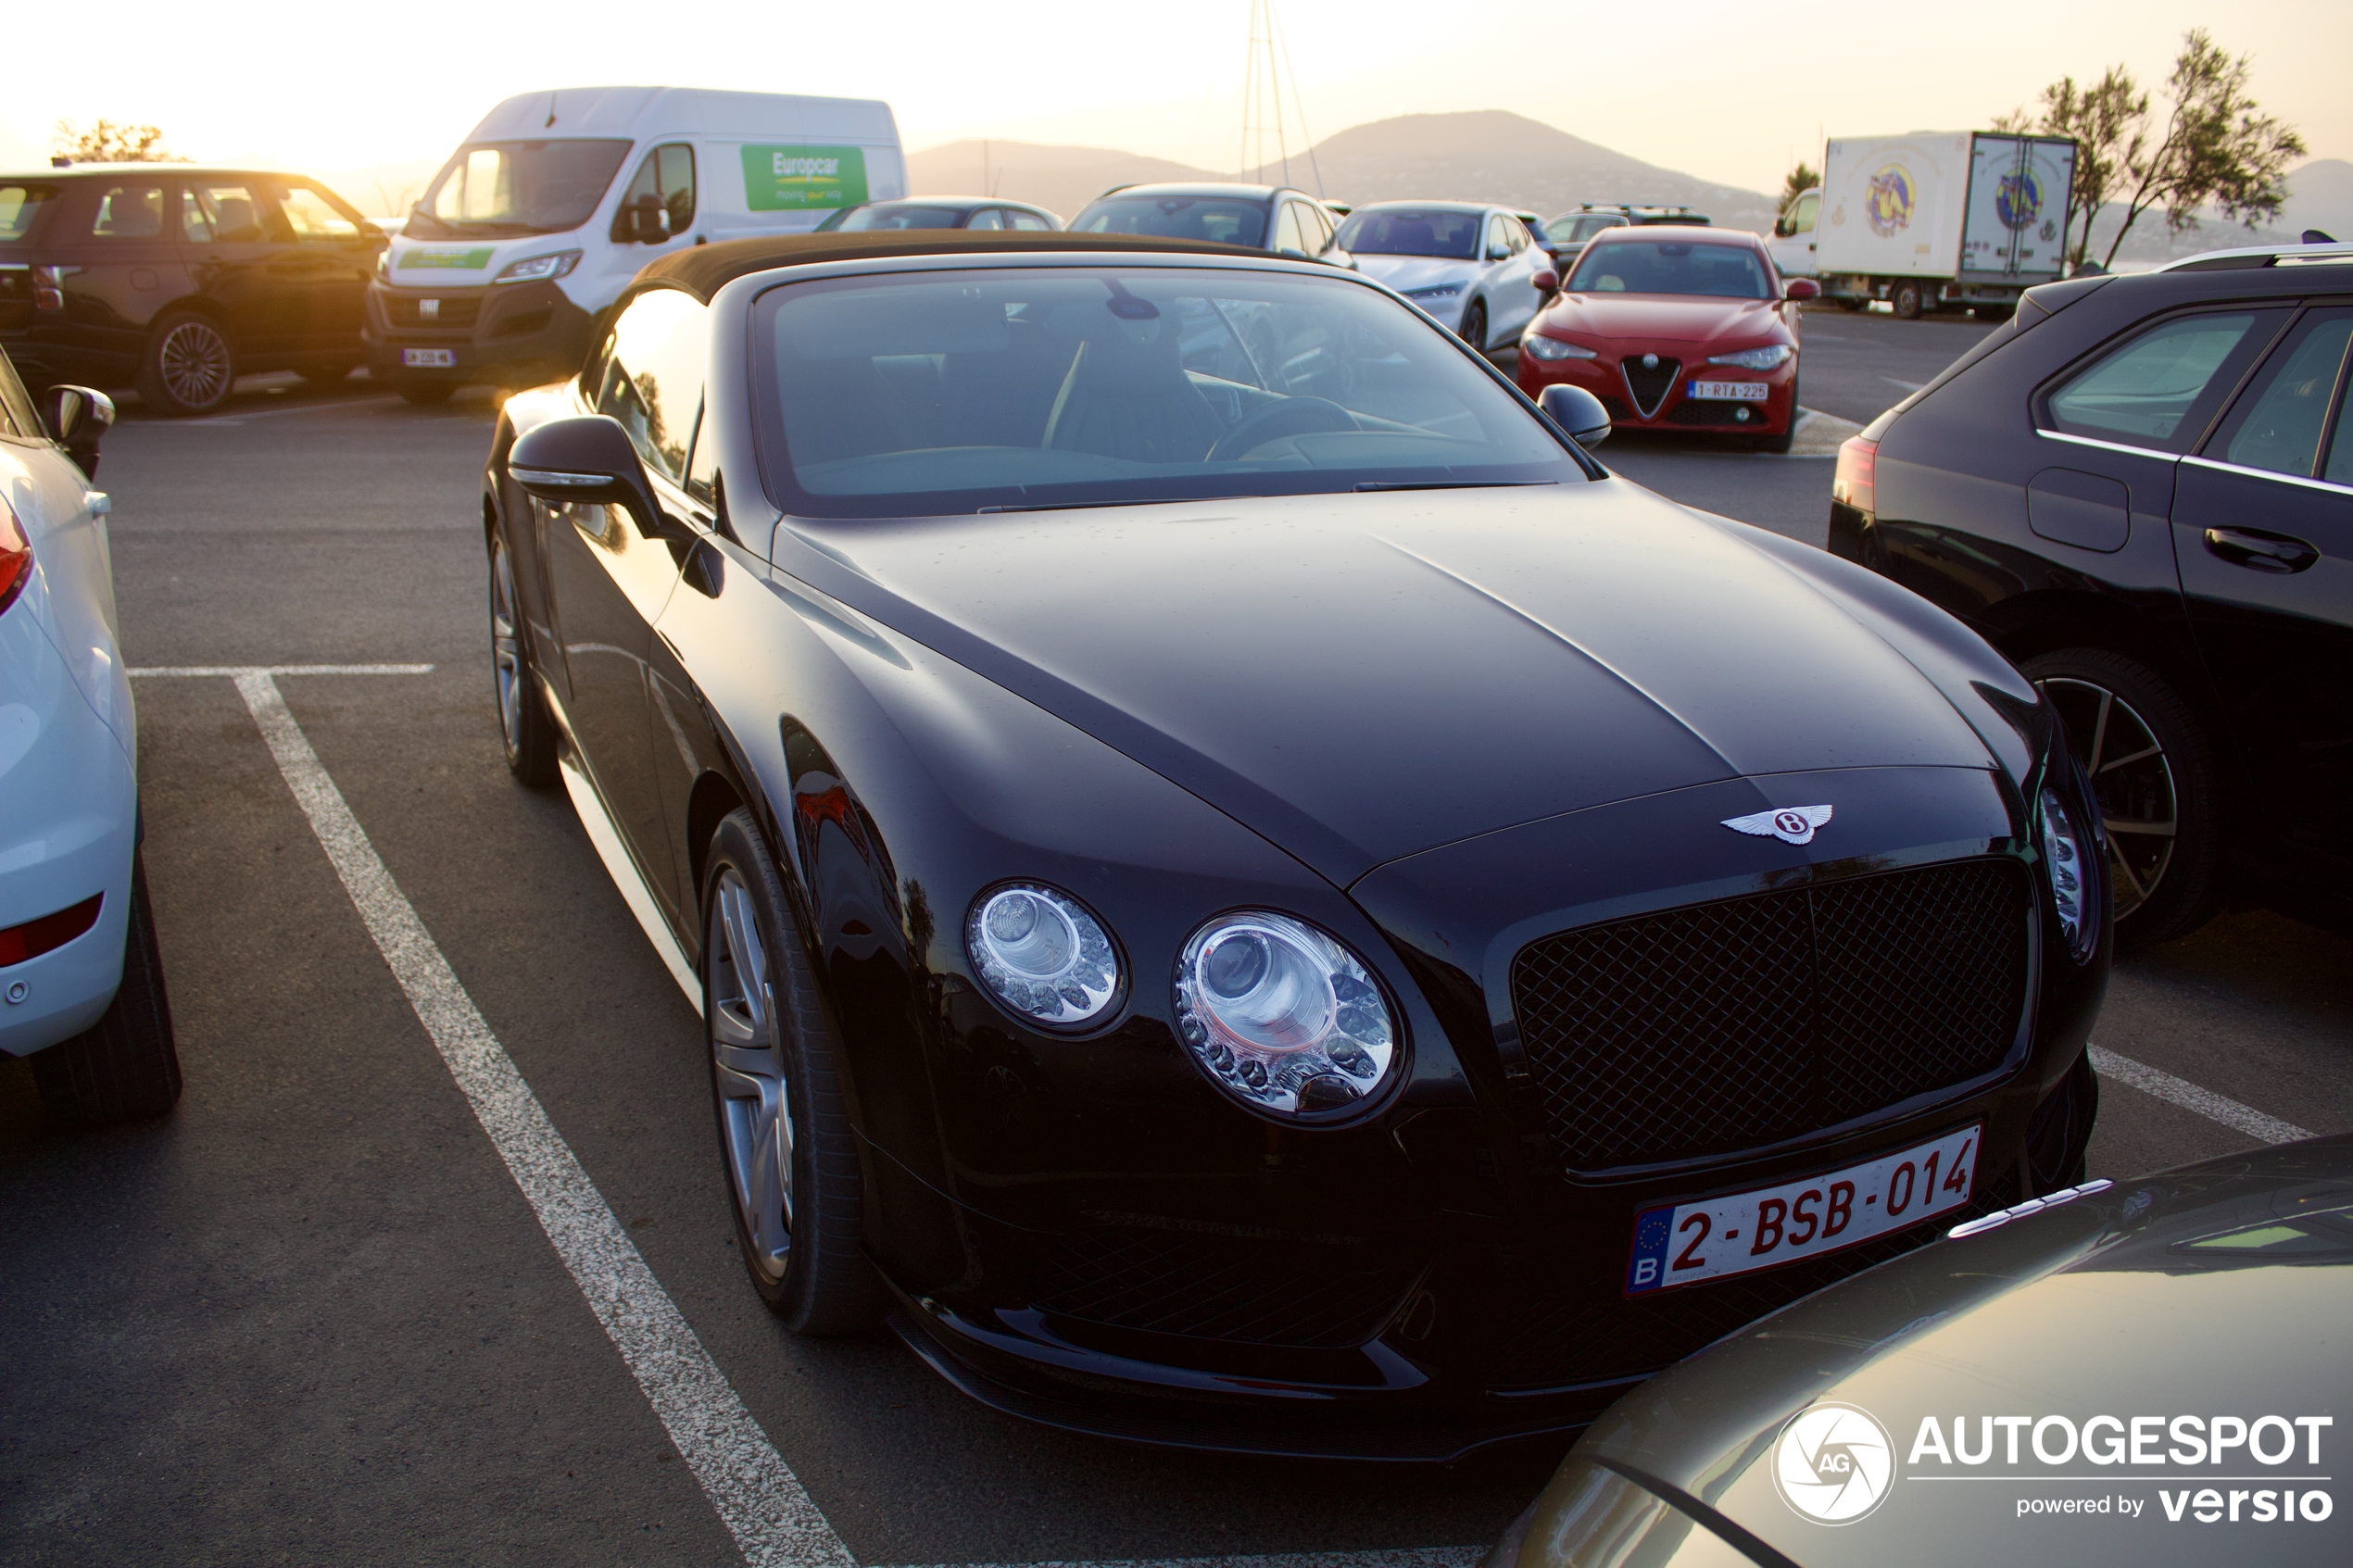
x=2141, y=489
x=177, y=280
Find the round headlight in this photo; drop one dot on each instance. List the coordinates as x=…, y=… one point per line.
x=1042, y=955
x=2071, y=883
x=1282, y=1017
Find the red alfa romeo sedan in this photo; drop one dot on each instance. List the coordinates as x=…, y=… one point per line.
x=1676, y=329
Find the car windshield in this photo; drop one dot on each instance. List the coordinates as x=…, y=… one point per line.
x=1423, y=232
x=923, y=394
x=1670, y=267
x=882, y=216
x=1233, y=221
x=517, y=188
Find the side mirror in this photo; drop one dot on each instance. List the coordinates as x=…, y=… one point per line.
x=78, y=417
x=1546, y=280
x=1573, y=408
x=1801, y=288
x=588, y=458
x=1499, y=253
x=649, y=220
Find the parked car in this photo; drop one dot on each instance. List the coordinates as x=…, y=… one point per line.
x=1272, y=897
x=2126, y=1369
x=982, y=213
x=176, y=280
x=1274, y=219
x=1689, y=330
x=1571, y=230
x=81, y=987
x=1475, y=269
x=530, y=229
x=2141, y=491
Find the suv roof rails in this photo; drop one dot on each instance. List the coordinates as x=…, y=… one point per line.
x=2314, y=255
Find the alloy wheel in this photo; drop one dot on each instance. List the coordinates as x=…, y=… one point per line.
x=193, y=360
x=747, y=1065
x=2118, y=752
x=506, y=647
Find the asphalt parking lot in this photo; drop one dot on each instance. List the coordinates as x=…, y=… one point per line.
x=314, y=1315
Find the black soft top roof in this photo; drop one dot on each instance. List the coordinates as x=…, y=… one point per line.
x=705, y=270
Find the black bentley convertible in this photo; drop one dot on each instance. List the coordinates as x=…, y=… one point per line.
x=1245, y=892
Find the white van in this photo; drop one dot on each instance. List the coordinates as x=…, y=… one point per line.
x=553, y=202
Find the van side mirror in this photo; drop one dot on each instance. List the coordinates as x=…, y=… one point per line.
x=1800, y=288
x=588, y=458
x=78, y=419
x=1577, y=412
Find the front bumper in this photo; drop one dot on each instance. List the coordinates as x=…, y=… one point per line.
x=1617, y=379
x=69, y=830
x=511, y=334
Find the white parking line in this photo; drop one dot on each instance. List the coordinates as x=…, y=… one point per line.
x=764, y=1507
x=237, y=671
x=2189, y=1097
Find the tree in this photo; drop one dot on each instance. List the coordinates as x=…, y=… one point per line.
x=2216, y=149
x=108, y=141
x=2108, y=122
x=1795, y=183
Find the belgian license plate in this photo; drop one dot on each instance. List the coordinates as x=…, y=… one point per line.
x=430, y=359
x=1711, y=1237
x=1730, y=391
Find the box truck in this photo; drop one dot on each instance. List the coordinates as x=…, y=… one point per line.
x=1931, y=219
x=557, y=199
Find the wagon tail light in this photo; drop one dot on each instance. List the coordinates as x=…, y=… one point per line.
x=49, y=287
x=1853, y=484
x=16, y=556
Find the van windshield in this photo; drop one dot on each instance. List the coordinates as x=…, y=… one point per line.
x=494, y=188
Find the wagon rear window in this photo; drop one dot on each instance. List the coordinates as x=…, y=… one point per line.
x=929, y=392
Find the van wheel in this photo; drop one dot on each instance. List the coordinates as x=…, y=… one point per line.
x=2146, y=755
x=125, y=1067
x=189, y=366
x=425, y=394
x=1908, y=300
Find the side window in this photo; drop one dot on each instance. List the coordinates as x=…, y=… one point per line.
x=1801, y=221
x=2339, y=467
x=1017, y=219
x=1516, y=232
x=986, y=218
x=1289, y=238
x=654, y=383
x=666, y=180
x=703, y=465
x=2159, y=389
x=132, y=210
x=1322, y=238
x=2278, y=424
x=1498, y=236
x=313, y=216
x=224, y=212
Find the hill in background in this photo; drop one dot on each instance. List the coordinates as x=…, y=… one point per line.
x=1487, y=154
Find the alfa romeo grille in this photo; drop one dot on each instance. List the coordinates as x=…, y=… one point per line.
x=1293, y=1292
x=1649, y=385
x=1717, y=1028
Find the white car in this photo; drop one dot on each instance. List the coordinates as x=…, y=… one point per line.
x=80, y=979
x=1475, y=269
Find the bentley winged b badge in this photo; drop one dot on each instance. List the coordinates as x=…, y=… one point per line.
x=1791, y=824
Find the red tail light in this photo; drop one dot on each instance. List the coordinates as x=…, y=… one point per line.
x=38, y=936
x=16, y=556
x=1853, y=484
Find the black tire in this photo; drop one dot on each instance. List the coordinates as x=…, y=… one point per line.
x=1475, y=325
x=424, y=394
x=1907, y=299
x=2165, y=884
x=328, y=374
x=526, y=732
x=189, y=366
x=801, y=1242
x=125, y=1067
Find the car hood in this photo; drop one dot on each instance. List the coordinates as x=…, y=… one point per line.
x=1403, y=272
x=2219, y=1289
x=1360, y=677
x=1664, y=318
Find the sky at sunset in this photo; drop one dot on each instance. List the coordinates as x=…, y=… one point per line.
x=1726, y=92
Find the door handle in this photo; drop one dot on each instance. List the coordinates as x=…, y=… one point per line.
x=2262, y=552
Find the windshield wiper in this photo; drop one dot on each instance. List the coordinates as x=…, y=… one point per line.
x=1450, y=484
x=1077, y=506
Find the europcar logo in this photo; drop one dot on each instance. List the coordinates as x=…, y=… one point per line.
x=1887, y=200
x=2018, y=200
x=1835, y=1463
